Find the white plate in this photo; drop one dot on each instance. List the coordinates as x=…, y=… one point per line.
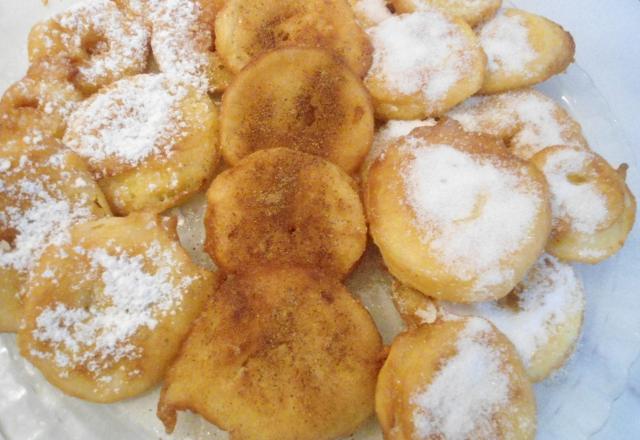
x=573, y=405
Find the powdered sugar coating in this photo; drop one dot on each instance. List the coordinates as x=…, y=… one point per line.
x=582, y=205
x=550, y=295
x=527, y=119
x=181, y=41
x=129, y=122
x=424, y=52
x=121, y=42
x=467, y=391
x=137, y=290
x=39, y=211
x=473, y=212
x=505, y=40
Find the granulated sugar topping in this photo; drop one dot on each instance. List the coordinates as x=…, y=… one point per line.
x=467, y=391
x=124, y=44
x=132, y=297
x=181, y=41
x=421, y=52
x=134, y=119
x=550, y=294
x=531, y=120
x=39, y=212
x=473, y=211
x=391, y=131
x=375, y=11
x=505, y=40
x=582, y=204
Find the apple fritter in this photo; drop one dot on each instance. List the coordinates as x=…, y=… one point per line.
x=455, y=379
x=285, y=207
x=245, y=29
x=302, y=99
x=279, y=353
x=107, y=311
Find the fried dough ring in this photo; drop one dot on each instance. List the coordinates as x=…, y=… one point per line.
x=278, y=353
x=593, y=208
x=285, y=207
x=523, y=49
x=44, y=190
x=303, y=99
x=542, y=316
x=446, y=65
x=104, y=43
x=247, y=29
x=457, y=379
x=527, y=120
x=455, y=215
x=149, y=139
x=474, y=12
x=41, y=102
x=107, y=311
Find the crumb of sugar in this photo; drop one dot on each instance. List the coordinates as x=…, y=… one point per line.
x=181, y=41
x=551, y=293
x=133, y=297
x=505, y=40
x=472, y=211
x=421, y=52
x=375, y=11
x=467, y=391
x=583, y=205
x=41, y=214
x=130, y=121
x=126, y=38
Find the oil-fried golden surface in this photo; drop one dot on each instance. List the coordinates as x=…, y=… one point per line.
x=287, y=207
x=105, y=346
x=246, y=29
x=279, y=353
x=400, y=237
x=35, y=180
x=553, y=49
x=302, y=99
x=41, y=102
x=616, y=205
x=416, y=359
x=181, y=163
x=435, y=87
x=104, y=43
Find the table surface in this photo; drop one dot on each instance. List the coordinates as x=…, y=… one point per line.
x=608, y=48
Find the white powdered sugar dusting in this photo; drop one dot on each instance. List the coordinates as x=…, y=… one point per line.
x=467, y=391
x=132, y=297
x=421, y=52
x=40, y=214
x=582, y=204
x=472, y=211
x=131, y=120
x=125, y=40
x=505, y=40
x=181, y=41
x=550, y=294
